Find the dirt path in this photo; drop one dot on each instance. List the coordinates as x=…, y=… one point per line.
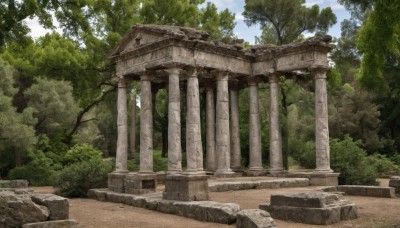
x=373, y=212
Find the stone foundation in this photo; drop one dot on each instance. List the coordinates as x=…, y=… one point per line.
x=319, y=208
x=261, y=184
x=254, y=218
x=116, y=181
x=140, y=183
x=207, y=211
x=52, y=224
x=14, y=184
x=373, y=191
x=317, y=179
x=186, y=187
x=394, y=182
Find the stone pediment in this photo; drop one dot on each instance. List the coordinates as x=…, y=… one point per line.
x=140, y=35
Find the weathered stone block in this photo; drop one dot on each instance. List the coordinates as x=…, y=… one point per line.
x=309, y=199
x=254, y=218
x=186, y=187
x=140, y=183
x=19, y=184
x=394, y=182
x=373, y=191
x=114, y=197
x=324, y=179
x=116, y=181
x=18, y=209
x=318, y=208
x=57, y=205
x=52, y=224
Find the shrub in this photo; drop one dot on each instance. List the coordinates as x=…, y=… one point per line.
x=350, y=160
x=382, y=164
x=82, y=152
x=37, y=176
x=75, y=180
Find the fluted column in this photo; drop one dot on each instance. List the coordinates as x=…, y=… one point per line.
x=174, y=122
x=255, y=161
x=222, y=126
x=210, y=129
x=146, y=126
x=235, y=130
x=122, y=125
x=321, y=122
x=275, y=139
x=194, y=150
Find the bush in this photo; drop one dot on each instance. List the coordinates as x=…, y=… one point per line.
x=37, y=176
x=350, y=160
x=82, y=152
x=382, y=164
x=75, y=180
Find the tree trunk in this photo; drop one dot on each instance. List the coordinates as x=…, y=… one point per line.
x=132, y=135
x=18, y=158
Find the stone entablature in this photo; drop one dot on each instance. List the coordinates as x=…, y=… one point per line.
x=152, y=47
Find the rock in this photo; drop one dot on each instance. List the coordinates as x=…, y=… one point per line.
x=52, y=224
x=57, y=205
x=319, y=208
x=19, y=184
x=18, y=209
x=254, y=218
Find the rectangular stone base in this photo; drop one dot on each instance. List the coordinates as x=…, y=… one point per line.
x=116, y=182
x=316, y=208
x=140, y=183
x=186, y=187
x=317, y=179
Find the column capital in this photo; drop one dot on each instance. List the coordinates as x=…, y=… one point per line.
x=193, y=71
x=319, y=72
x=273, y=78
x=252, y=80
x=233, y=84
x=173, y=70
x=145, y=77
x=220, y=74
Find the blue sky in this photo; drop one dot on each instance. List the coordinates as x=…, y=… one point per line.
x=248, y=33
x=241, y=29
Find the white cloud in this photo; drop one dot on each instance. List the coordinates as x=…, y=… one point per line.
x=239, y=17
x=336, y=6
x=313, y=2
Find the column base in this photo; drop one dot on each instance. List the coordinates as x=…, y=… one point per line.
x=323, y=171
x=140, y=183
x=277, y=172
x=224, y=173
x=255, y=172
x=116, y=181
x=237, y=169
x=317, y=179
x=186, y=187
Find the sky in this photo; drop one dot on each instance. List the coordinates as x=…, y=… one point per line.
x=241, y=30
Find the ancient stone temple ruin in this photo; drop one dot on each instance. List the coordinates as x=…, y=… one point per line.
x=175, y=58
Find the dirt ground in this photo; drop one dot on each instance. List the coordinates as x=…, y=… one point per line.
x=373, y=212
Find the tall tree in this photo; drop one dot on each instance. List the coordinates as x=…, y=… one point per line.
x=288, y=19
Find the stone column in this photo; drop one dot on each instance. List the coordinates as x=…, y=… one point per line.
x=146, y=126
x=174, y=122
x=235, y=130
x=255, y=161
x=194, y=149
x=321, y=122
x=210, y=129
x=122, y=125
x=222, y=126
x=275, y=139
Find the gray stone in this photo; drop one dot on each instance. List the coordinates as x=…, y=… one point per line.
x=18, y=209
x=373, y=191
x=52, y=224
x=234, y=128
x=211, y=159
x=255, y=158
x=146, y=125
x=395, y=183
x=57, y=205
x=261, y=184
x=319, y=208
x=186, y=187
x=116, y=181
x=14, y=184
x=140, y=183
x=254, y=218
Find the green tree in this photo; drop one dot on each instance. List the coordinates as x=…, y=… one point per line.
x=17, y=134
x=288, y=19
